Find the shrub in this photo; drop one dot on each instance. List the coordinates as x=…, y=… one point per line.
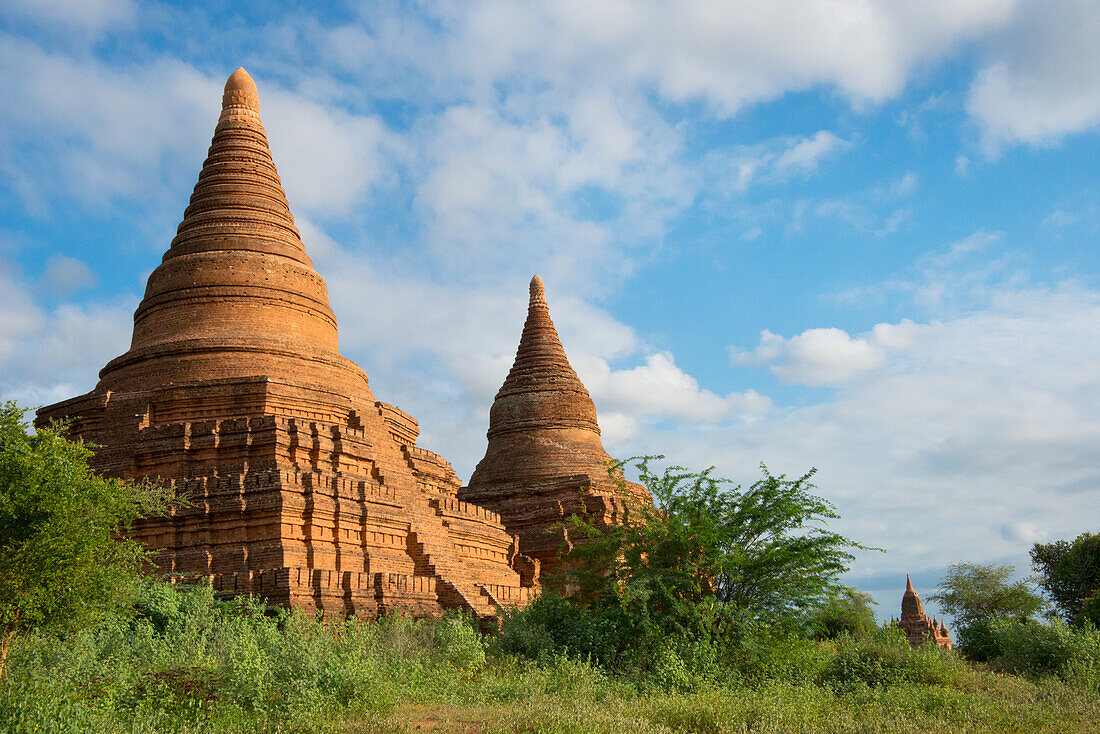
x=979, y=641
x=886, y=658
x=458, y=642
x=1055, y=649
x=847, y=611
x=62, y=565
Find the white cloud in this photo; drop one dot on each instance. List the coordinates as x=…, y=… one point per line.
x=727, y=54
x=50, y=355
x=805, y=155
x=90, y=15
x=659, y=389
x=819, y=356
x=502, y=196
x=65, y=275
x=100, y=133
x=1039, y=84
x=776, y=160
x=328, y=159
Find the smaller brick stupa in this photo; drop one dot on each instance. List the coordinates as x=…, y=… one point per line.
x=916, y=625
x=545, y=461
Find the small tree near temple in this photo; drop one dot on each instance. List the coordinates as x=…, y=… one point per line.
x=1069, y=572
x=710, y=548
x=62, y=562
x=971, y=593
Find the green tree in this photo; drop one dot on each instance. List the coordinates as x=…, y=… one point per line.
x=847, y=611
x=762, y=552
x=62, y=562
x=1069, y=572
x=971, y=593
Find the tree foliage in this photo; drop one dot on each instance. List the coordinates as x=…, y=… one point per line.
x=61, y=562
x=1069, y=572
x=762, y=552
x=971, y=593
x=845, y=612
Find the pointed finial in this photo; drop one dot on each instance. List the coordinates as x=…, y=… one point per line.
x=240, y=91
x=538, y=292
x=908, y=584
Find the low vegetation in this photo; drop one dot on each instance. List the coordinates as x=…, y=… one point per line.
x=184, y=661
x=720, y=612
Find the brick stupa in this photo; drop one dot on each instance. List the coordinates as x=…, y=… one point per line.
x=915, y=624
x=304, y=488
x=545, y=461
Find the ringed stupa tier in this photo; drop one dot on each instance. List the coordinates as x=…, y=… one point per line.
x=545, y=461
x=915, y=624
x=302, y=487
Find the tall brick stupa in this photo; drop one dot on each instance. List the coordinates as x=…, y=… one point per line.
x=304, y=488
x=545, y=460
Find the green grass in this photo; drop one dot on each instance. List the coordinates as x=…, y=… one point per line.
x=187, y=663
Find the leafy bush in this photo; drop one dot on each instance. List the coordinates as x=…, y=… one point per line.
x=886, y=658
x=979, y=641
x=61, y=564
x=458, y=642
x=844, y=612
x=1056, y=649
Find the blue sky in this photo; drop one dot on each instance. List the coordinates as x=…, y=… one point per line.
x=853, y=235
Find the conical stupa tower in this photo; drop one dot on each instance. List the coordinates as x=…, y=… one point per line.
x=236, y=295
x=545, y=460
x=303, y=488
x=916, y=625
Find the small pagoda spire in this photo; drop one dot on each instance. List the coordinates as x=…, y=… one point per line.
x=909, y=585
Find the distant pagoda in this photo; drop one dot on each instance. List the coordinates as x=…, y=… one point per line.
x=916, y=625
x=303, y=487
x=545, y=461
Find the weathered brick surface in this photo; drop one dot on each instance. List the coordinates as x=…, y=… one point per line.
x=545, y=461
x=916, y=625
x=303, y=488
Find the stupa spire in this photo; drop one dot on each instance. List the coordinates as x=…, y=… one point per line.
x=240, y=91
x=236, y=278
x=542, y=390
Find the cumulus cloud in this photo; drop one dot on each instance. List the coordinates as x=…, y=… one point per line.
x=1039, y=83
x=726, y=54
x=659, y=389
x=816, y=356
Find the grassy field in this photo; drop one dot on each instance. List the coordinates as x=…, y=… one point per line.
x=187, y=663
